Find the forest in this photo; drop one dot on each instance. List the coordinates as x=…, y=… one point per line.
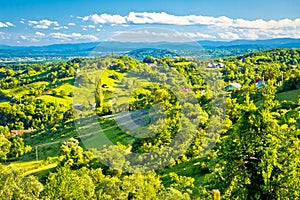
x=115, y=127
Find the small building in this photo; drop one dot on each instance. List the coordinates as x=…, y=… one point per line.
x=92, y=105
x=220, y=65
x=233, y=86
x=19, y=132
x=113, y=66
x=211, y=64
x=260, y=84
x=240, y=69
x=77, y=106
x=77, y=70
x=186, y=90
x=104, y=86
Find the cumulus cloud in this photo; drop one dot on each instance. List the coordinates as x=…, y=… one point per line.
x=32, y=22
x=73, y=36
x=61, y=27
x=208, y=27
x=42, y=24
x=23, y=37
x=169, y=19
x=91, y=26
x=85, y=28
x=194, y=27
x=4, y=36
x=5, y=24
x=9, y=24
x=229, y=36
x=105, y=19
x=39, y=34
x=197, y=35
x=2, y=25
x=158, y=35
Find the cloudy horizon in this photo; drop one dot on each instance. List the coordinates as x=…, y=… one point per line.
x=92, y=26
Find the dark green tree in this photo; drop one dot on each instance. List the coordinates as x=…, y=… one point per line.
x=70, y=184
x=14, y=185
x=99, y=96
x=4, y=147
x=258, y=158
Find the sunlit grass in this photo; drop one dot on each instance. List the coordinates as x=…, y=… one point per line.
x=289, y=95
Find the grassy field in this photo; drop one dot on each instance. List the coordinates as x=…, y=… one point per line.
x=285, y=96
x=60, y=100
x=289, y=95
x=34, y=167
x=21, y=91
x=191, y=168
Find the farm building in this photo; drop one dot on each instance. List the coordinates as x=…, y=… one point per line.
x=19, y=132
x=232, y=86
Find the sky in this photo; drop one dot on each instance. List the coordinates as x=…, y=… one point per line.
x=44, y=22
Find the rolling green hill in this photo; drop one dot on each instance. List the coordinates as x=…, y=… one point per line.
x=106, y=117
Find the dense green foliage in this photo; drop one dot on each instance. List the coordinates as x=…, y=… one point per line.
x=255, y=157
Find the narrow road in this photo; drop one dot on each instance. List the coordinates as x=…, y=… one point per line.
x=125, y=122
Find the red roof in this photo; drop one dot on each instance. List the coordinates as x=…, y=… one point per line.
x=20, y=132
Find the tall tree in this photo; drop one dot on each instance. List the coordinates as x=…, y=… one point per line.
x=99, y=96
x=259, y=158
x=14, y=185
x=4, y=147
x=70, y=184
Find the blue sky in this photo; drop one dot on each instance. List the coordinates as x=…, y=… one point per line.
x=41, y=22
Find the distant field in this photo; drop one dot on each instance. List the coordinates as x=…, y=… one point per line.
x=21, y=91
x=49, y=98
x=289, y=95
x=33, y=167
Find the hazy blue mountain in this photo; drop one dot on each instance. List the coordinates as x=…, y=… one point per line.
x=141, y=54
x=100, y=48
x=273, y=43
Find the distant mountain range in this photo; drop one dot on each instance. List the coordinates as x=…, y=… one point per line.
x=270, y=43
x=100, y=48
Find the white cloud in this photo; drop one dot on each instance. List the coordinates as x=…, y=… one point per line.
x=42, y=24
x=105, y=19
x=165, y=18
x=193, y=27
x=73, y=36
x=61, y=27
x=31, y=22
x=9, y=24
x=23, y=37
x=197, y=35
x=40, y=34
x=229, y=36
x=85, y=28
x=5, y=24
x=208, y=27
x=4, y=36
x=158, y=35
x=2, y=25
x=160, y=18
x=31, y=38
